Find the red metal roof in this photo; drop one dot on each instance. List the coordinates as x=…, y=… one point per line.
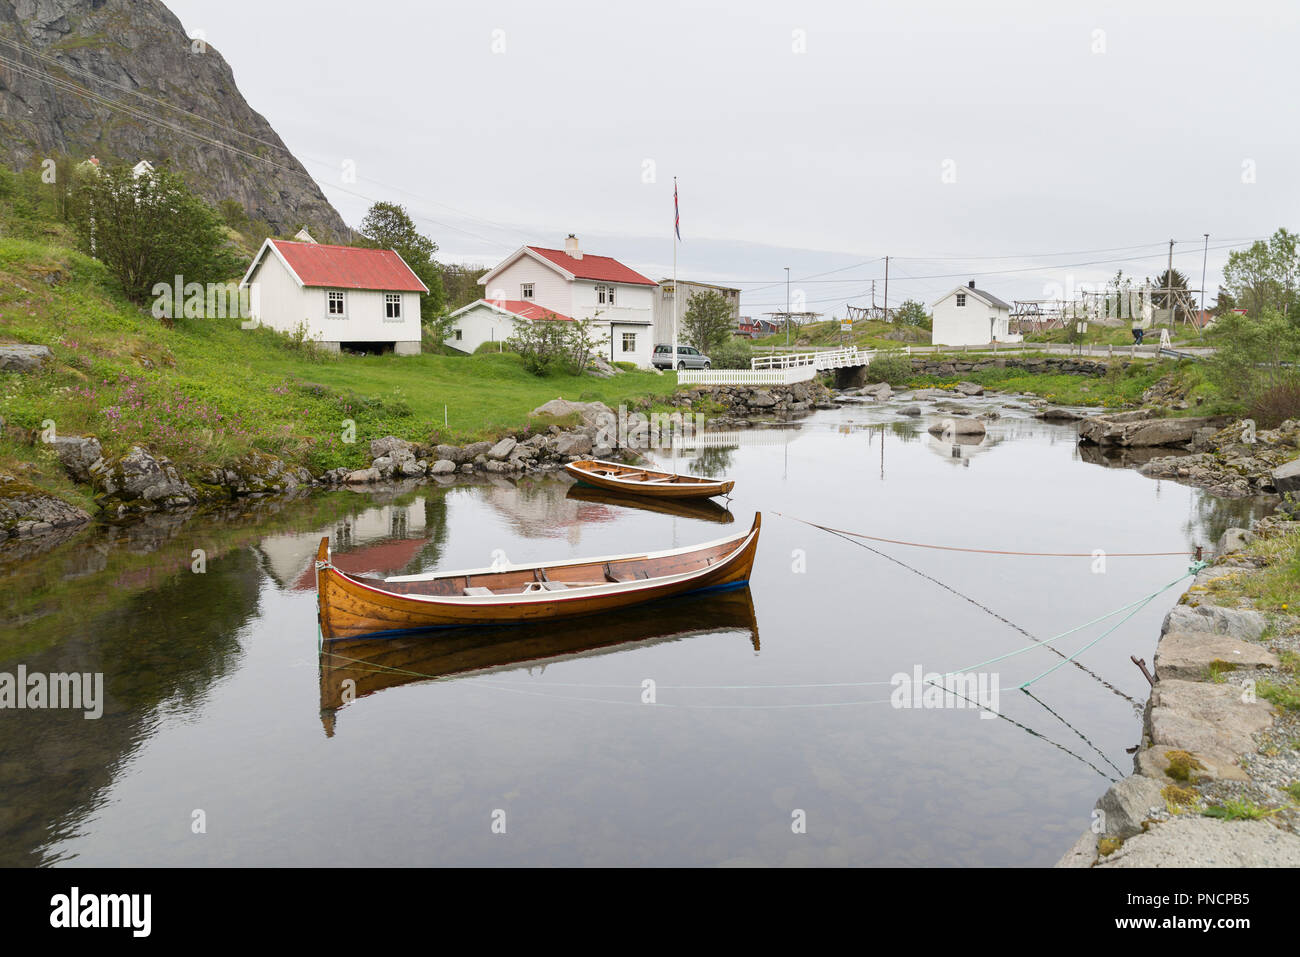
x=348, y=267
x=594, y=267
x=528, y=310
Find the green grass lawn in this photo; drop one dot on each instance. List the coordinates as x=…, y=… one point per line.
x=1119, y=387
x=207, y=392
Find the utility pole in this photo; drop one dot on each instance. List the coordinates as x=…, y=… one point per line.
x=1169, y=284
x=886, y=289
x=1204, y=256
x=787, y=305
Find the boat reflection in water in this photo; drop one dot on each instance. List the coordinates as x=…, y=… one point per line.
x=705, y=510
x=351, y=668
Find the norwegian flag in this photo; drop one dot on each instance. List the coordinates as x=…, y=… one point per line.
x=677, y=212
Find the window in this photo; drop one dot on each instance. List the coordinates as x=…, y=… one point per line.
x=458, y=335
x=961, y=299
x=392, y=305
x=600, y=295
x=526, y=290
x=336, y=304
x=629, y=342
x=611, y=295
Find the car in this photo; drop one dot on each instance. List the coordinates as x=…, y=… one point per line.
x=688, y=357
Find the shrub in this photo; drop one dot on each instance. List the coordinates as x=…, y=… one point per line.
x=733, y=353
x=894, y=368
x=493, y=347
x=1275, y=405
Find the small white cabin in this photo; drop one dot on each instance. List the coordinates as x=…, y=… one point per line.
x=971, y=317
x=366, y=300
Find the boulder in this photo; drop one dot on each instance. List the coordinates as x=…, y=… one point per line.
x=78, y=455
x=1206, y=719
x=26, y=510
x=502, y=449
x=1286, y=478
x=573, y=443
x=969, y=388
x=880, y=391
x=442, y=467
x=590, y=413
x=471, y=452
x=1052, y=414
x=1233, y=540
x=450, y=453
x=16, y=357
x=1242, y=624
x=391, y=446
x=140, y=478
x=1189, y=654
x=1128, y=803
x=363, y=476
x=762, y=399
x=910, y=410
x=1142, y=432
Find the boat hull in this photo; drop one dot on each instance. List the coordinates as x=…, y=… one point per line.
x=352, y=606
x=605, y=475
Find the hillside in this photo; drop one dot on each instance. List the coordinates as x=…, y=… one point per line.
x=119, y=79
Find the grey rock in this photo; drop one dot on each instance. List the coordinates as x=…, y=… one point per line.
x=363, y=476
x=1194, y=841
x=471, y=452
x=79, y=455
x=17, y=357
x=1209, y=720
x=969, y=388
x=1127, y=803
x=1235, y=622
x=573, y=443
x=392, y=447
x=1189, y=654
x=450, y=453
x=502, y=449
x=442, y=467
x=762, y=399
x=1286, y=477
x=957, y=426
x=591, y=413
x=910, y=410
x=1233, y=540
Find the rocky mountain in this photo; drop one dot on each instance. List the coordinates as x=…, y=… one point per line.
x=121, y=80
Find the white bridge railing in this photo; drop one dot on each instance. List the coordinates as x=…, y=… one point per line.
x=784, y=368
x=820, y=361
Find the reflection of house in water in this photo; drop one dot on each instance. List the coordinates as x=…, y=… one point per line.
x=960, y=449
x=383, y=539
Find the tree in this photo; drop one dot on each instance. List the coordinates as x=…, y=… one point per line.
x=911, y=313
x=389, y=226
x=150, y=229
x=1264, y=275
x=708, y=321
x=460, y=284
x=1161, y=296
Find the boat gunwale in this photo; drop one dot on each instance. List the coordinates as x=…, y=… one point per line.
x=578, y=468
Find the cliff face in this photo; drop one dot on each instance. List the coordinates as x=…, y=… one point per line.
x=83, y=77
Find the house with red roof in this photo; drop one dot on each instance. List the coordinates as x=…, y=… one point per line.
x=342, y=297
x=535, y=283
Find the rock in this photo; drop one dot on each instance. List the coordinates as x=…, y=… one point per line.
x=450, y=453
x=138, y=479
x=910, y=410
x=969, y=388
x=1286, y=478
x=1233, y=540
x=471, y=452
x=1235, y=622
x=410, y=468
x=1082, y=854
x=1128, y=803
x=1142, y=432
x=1206, y=719
x=573, y=443
x=591, y=413
x=957, y=426
x=601, y=368
x=1189, y=654
x=762, y=399
x=931, y=394
x=502, y=449
x=1193, y=841
x=363, y=476
x=392, y=447
x=1053, y=414
x=879, y=391
x=78, y=455
x=26, y=510
x=383, y=465
x=442, y=467
x=17, y=357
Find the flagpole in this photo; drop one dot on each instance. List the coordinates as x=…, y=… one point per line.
x=676, y=291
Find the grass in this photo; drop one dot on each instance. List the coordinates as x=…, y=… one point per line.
x=1286, y=697
x=1273, y=587
x=1121, y=386
x=207, y=392
x=1182, y=764
x=1239, y=809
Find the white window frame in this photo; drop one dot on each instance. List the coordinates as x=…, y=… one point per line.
x=332, y=296
x=629, y=342
x=600, y=295
x=526, y=291
x=611, y=296
x=961, y=299
x=392, y=299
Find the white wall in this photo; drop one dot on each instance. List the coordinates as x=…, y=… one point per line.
x=644, y=343
x=550, y=289
x=278, y=301
x=478, y=324
x=974, y=324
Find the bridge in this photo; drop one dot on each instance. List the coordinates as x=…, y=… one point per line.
x=784, y=368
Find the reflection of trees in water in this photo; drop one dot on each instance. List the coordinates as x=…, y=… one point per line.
x=712, y=462
x=1212, y=515
x=903, y=431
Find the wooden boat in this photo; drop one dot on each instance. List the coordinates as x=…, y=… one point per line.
x=352, y=668
x=701, y=509
x=354, y=605
x=643, y=481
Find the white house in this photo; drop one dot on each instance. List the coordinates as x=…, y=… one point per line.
x=495, y=320
x=971, y=317
x=577, y=285
x=367, y=300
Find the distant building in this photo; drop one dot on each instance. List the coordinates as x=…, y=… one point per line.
x=571, y=283
x=495, y=320
x=342, y=297
x=686, y=288
x=971, y=317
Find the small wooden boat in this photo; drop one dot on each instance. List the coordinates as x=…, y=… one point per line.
x=354, y=605
x=644, y=481
x=353, y=668
x=701, y=509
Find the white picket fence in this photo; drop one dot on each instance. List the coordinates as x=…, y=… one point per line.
x=779, y=376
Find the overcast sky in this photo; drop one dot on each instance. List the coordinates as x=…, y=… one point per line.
x=1030, y=146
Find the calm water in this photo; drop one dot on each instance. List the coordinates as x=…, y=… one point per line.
x=219, y=702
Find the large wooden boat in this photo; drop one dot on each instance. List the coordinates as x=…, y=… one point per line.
x=354, y=605
x=643, y=481
x=353, y=668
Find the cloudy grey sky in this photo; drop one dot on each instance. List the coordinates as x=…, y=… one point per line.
x=1023, y=144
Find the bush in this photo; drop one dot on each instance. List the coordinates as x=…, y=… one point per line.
x=1274, y=406
x=733, y=354
x=493, y=347
x=893, y=367
x=625, y=366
